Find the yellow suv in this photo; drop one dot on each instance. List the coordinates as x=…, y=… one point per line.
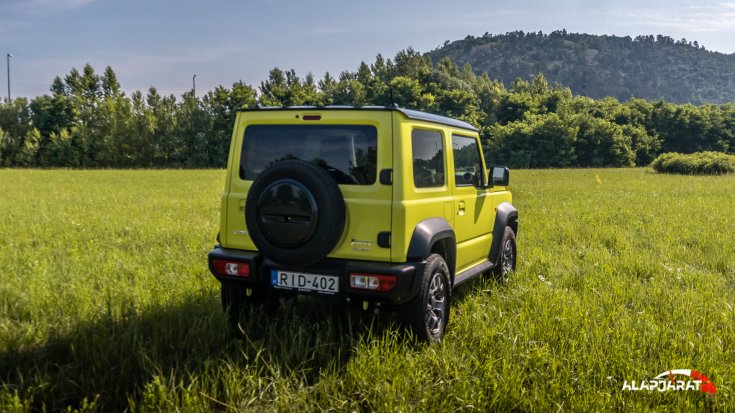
x=383, y=206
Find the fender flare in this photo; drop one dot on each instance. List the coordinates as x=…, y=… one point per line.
x=427, y=233
x=506, y=215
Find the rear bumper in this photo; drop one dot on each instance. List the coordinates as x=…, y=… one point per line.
x=406, y=288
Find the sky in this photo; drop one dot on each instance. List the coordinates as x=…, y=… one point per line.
x=164, y=43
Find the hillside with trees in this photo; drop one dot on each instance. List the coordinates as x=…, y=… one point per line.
x=647, y=67
x=88, y=122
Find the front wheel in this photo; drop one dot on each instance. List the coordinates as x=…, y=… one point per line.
x=507, y=260
x=427, y=314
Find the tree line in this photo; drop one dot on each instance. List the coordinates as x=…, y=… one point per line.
x=88, y=122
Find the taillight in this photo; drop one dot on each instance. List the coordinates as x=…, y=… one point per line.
x=227, y=268
x=372, y=282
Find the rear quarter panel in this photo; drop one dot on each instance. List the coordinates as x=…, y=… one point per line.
x=412, y=205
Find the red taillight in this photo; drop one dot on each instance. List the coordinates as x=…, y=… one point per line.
x=227, y=268
x=372, y=282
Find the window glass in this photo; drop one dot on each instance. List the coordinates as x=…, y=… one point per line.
x=428, y=158
x=467, y=167
x=347, y=152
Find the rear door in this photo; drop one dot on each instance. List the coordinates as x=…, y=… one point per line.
x=352, y=145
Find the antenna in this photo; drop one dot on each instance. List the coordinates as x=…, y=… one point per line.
x=392, y=102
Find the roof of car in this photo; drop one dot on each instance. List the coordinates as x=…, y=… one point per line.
x=409, y=113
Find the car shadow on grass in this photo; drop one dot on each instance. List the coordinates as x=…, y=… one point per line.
x=110, y=358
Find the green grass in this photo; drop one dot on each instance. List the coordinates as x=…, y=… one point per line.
x=106, y=304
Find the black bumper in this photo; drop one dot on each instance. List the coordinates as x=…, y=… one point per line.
x=407, y=285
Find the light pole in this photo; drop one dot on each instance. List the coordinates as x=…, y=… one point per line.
x=194, y=85
x=8, y=56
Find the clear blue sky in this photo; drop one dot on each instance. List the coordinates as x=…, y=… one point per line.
x=163, y=43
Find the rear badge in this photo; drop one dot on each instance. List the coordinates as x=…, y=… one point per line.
x=361, y=245
x=240, y=232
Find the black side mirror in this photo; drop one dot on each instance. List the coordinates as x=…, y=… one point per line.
x=499, y=176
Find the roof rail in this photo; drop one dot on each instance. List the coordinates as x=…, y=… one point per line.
x=409, y=113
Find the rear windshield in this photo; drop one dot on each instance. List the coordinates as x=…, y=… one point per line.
x=347, y=152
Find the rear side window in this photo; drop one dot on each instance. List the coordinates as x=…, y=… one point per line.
x=467, y=167
x=347, y=152
x=428, y=158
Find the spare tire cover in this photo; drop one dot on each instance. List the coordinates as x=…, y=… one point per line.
x=295, y=213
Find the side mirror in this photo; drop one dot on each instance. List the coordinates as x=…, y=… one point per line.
x=499, y=176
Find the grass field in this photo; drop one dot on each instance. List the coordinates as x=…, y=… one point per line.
x=106, y=304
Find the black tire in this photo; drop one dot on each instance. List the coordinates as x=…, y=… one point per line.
x=232, y=299
x=295, y=213
x=506, y=257
x=235, y=301
x=427, y=315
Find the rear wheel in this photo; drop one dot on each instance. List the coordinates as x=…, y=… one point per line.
x=235, y=302
x=427, y=314
x=231, y=297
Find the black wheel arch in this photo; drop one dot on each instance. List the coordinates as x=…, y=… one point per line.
x=434, y=235
x=505, y=216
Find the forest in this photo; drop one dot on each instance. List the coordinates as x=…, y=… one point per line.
x=646, y=66
x=87, y=121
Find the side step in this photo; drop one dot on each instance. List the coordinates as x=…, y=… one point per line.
x=472, y=272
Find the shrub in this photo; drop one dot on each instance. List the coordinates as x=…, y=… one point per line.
x=699, y=163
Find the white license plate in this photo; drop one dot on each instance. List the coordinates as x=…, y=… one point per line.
x=328, y=284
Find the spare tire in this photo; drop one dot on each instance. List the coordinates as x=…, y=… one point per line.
x=295, y=213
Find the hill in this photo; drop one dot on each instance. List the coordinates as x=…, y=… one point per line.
x=648, y=67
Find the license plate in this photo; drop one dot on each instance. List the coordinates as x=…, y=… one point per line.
x=328, y=284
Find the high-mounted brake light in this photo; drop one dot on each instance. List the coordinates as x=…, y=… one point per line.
x=231, y=268
x=373, y=282
x=312, y=117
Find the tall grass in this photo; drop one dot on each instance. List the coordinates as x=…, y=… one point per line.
x=106, y=304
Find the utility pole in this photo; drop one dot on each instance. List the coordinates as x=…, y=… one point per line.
x=194, y=85
x=8, y=56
